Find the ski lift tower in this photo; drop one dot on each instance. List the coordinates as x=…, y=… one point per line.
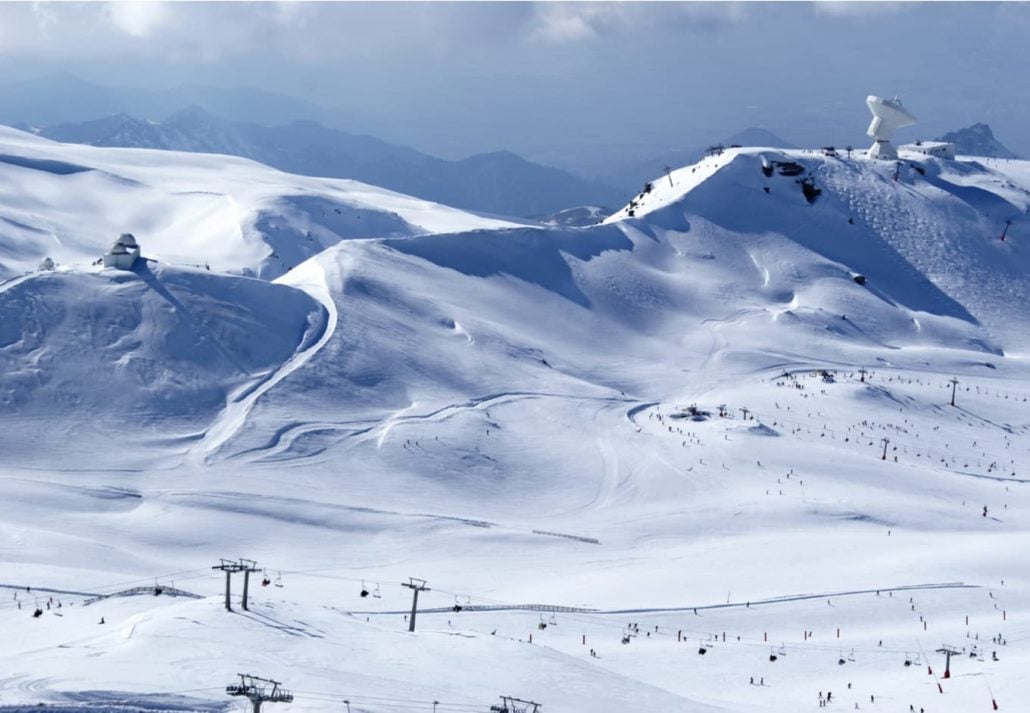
x=416, y=585
x=515, y=705
x=259, y=690
x=888, y=116
x=230, y=568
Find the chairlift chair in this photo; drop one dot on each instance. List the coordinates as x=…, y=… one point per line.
x=265, y=581
x=783, y=650
x=375, y=592
x=364, y=590
x=543, y=624
x=553, y=620
x=851, y=656
x=279, y=580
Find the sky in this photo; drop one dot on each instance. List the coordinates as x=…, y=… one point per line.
x=566, y=83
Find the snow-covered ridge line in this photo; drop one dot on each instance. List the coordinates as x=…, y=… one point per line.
x=68, y=202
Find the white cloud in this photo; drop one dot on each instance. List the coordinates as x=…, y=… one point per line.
x=561, y=25
x=572, y=22
x=138, y=18
x=569, y=22
x=860, y=9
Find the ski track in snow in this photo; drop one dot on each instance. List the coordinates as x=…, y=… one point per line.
x=279, y=445
x=234, y=416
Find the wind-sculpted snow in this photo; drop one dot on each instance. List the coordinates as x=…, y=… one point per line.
x=531, y=255
x=119, y=355
x=59, y=168
x=924, y=233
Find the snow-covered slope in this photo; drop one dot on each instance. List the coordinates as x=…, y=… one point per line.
x=70, y=202
x=925, y=233
x=682, y=460
x=125, y=360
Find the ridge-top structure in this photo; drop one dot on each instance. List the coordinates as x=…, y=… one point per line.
x=889, y=115
x=123, y=254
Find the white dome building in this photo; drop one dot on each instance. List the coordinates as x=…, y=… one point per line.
x=123, y=254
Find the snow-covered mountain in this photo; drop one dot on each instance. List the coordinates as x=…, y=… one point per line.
x=977, y=140
x=699, y=457
x=498, y=182
x=70, y=202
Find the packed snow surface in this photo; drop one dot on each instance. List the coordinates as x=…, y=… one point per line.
x=702, y=457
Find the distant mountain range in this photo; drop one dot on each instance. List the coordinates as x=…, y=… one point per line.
x=62, y=97
x=977, y=140
x=500, y=183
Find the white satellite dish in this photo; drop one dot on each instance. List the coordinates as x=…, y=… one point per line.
x=888, y=116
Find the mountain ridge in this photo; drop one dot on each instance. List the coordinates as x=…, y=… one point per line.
x=498, y=182
x=978, y=140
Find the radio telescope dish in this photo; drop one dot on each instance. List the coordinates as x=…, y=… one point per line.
x=888, y=116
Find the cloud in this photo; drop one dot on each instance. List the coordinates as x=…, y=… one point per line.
x=573, y=22
x=563, y=23
x=858, y=9
x=140, y=18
